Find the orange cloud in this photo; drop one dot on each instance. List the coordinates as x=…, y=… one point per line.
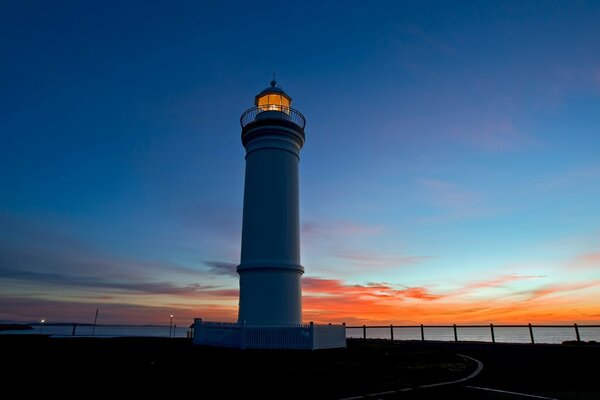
x=333, y=300
x=419, y=293
x=334, y=287
x=330, y=300
x=588, y=260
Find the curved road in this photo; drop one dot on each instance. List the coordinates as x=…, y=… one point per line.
x=518, y=371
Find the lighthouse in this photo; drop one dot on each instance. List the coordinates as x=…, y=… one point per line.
x=270, y=269
x=270, y=304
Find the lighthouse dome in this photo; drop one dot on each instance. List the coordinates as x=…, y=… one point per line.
x=273, y=98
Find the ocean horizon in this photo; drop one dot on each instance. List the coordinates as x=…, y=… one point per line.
x=547, y=335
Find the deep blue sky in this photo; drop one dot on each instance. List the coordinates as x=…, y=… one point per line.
x=452, y=155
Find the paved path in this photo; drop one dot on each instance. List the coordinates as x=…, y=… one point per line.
x=518, y=371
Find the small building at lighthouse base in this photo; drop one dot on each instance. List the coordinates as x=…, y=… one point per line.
x=283, y=337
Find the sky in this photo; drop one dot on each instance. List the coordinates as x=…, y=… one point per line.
x=451, y=170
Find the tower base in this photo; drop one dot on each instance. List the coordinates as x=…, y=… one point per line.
x=283, y=337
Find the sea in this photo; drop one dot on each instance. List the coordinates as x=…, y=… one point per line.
x=478, y=334
x=102, y=330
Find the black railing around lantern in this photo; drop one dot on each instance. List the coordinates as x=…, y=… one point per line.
x=272, y=112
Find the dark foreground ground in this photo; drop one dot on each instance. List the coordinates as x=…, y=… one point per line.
x=125, y=367
x=519, y=371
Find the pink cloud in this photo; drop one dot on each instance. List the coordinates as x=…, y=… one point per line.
x=456, y=201
x=499, y=281
x=496, y=135
x=220, y=294
x=32, y=310
x=336, y=287
x=588, y=260
x=448, y=194
x=489, y=127
x=550, y=290
x=344, y=240
x=379, y=259
x=578, y=178
x=320, y=285
x=339, y=228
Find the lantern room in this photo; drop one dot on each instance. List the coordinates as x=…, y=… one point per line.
x=273, y=98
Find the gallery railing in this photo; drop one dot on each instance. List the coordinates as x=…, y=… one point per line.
x=272, y=112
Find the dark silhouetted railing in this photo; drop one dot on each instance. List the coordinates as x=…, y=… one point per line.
x=272, y=112
x=571, y=332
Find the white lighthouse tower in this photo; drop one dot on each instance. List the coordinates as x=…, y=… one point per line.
x=270, y=306
x=270, y=270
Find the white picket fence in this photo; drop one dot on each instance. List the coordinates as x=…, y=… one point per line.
x=283, y=337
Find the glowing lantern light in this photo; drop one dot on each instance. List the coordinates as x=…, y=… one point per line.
x=273, y=98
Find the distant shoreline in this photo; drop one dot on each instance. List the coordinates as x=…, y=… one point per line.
x=15, y=327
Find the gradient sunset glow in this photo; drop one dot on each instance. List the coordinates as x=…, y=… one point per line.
x=451, y=172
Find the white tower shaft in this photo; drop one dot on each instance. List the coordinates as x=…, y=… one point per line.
x=270, y=270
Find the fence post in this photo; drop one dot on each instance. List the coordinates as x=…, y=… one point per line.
x=243, y=345
x=364, y=331
x=75, y=327
x=422, y=333
x=577, y=333
x=392, y=332
x=455, y=334
x=531, y=334
x=492, y=331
